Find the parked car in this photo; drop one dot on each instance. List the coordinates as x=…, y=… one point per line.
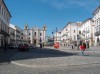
x=23, y=47
x=32, y=46
x=50, y=44
x=12, y=46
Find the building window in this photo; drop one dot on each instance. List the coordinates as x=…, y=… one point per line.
x=21, y=37
x=74, y=31
x=99, y=21
x=74, y=37
x=2, y=11
x=0, y=25
x=99, y=27
x=40, y=34
x=96, y=28
x=7, y=29
x=35, y=34
x=0, y=8
x=40, y=39
x=79, y=32
x=4, y=27
x=97, y=39
x=29, y=34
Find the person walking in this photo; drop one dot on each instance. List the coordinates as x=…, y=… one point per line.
x=40, y=45
x=72, y=46
x=87, y=45
x=82, y=48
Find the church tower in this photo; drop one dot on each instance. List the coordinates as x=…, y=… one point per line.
x=44, y=33
x=26, y=27
x=26, y=32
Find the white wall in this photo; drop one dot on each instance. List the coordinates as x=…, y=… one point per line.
x=96, y=18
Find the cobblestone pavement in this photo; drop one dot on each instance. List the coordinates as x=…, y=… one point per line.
x=49, y=57
x=81, y=69
x=52, y=61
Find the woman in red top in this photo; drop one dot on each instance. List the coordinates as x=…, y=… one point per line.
x=82, y=48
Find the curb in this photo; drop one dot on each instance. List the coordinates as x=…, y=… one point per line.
x=34, y=66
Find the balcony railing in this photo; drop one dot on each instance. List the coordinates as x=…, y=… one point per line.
x=12, y=34
x=88, y=38
x=4, y=33
x=83, y=31
x=97, y=33
x=78, y=37
x=87, y=31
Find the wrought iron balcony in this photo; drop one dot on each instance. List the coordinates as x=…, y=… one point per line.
x=12, y=34
x=78, y=37
x=87, y=31
x=83, y=31
x=97, y=33
x=4, y=33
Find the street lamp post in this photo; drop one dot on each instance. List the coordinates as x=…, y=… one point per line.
x=56, y=44
x=55, y=31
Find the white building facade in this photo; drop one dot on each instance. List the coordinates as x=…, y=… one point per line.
x=87, y=30
x=12, y=35
x=34, y=35
x=96, y=18
x=57, y=37
x=4, y=24
x=17, y=35
x=69, y=34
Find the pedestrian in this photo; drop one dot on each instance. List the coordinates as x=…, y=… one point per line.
x=82, y=48
x=43, y=44
x=87, y=45
x=72, y=45
x=40, y=45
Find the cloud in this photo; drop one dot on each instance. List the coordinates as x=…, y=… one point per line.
x=62, y=4
x=85, y=4
x=58, y=4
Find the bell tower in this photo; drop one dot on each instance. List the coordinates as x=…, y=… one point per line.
x=44, y=34
x=44, y=28
x=26, y=27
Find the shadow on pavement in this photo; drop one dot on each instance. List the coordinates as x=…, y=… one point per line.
x=5, y=56
x=41, y=53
